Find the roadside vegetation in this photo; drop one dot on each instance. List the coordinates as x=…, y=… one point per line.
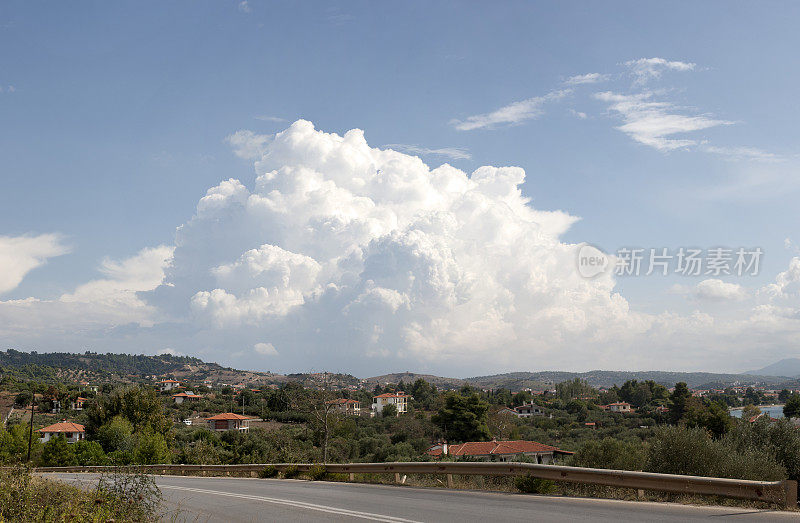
x=670, y=431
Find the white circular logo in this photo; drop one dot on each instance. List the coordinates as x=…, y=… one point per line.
x=591, y=261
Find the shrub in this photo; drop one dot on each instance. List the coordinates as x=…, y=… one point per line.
x=268, y=472
x=682, y=450
x=290, y=472
x=532, y=485
x=317, y=472
x=610, y=453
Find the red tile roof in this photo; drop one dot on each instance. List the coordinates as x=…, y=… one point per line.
x=169, y=381
x=64, y=426
x=184, y=395
x=390, y=395
x=488, y=448
x=228, y=416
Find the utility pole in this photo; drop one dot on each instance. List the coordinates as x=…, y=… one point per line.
x=30, y=433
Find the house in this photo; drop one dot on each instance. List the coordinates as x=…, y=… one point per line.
x=345, y=406
x=185, y=396
x=72, y=431
x=78, y=403
x=398, y=399
x=620, y=406
x=167, y=385
x=499, y=451
x=529, y=410
x=229, y=421
x=85, y=386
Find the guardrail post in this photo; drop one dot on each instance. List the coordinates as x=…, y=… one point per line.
x=352, y=477
x=790, y=493
x=449, y=481
x=397, y=477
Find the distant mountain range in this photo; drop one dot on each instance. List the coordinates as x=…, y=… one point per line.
x=789, y=367
x=597, y=378
x=93, y=366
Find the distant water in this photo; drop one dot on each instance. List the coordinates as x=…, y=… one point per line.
x=774, y=411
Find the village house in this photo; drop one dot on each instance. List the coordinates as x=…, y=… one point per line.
x=167, y=385
x=499, y=451
x=185, y=396
x=85, y=386
x=345, y=406
x=529, y=410
x=620, y=406
x=399, y=400
x=78, y=403
x=229, y=421
x=74, y=432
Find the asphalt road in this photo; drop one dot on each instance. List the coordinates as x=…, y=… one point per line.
x=237, y=499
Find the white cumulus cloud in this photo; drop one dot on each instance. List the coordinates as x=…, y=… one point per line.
x=341, y=251
x=718, y=290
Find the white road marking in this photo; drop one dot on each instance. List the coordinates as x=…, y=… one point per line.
x=297, y=504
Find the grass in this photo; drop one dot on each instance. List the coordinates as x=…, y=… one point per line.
x=27, y=497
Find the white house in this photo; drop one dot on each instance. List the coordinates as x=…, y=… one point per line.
x=72, y=431
x=619, y=406
x=529, y=410
x=345, y=406
x=167, y=385
x=78, y=403
x=399, y=400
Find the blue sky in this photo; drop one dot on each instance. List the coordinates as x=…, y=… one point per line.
x=115, y=121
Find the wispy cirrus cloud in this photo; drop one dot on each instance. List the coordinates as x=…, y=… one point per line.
x=655, y=123
x=589, y=78
x=742, y=153
x=645, y=69
x=510, y=114
x=456, y=153
x=21, y=254
x=267, y=118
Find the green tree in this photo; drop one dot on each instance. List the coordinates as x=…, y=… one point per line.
x=792, y=407
x=463, y=418
x=116, y=435
x=389, y=411
x=678, y=402
x=89, y=453
x=784, y=395
x=58, y=453
x=151, y=449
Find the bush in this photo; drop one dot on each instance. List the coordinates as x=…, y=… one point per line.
x=317, y=472
x=268, y=472
x=133, y=489
x=291, y=472
x=682, y=450
x=610, y=453
x=532, y=485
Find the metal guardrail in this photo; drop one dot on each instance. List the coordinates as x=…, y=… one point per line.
x=781, y=492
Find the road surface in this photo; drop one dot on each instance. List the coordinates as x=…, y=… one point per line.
x=241, y=499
